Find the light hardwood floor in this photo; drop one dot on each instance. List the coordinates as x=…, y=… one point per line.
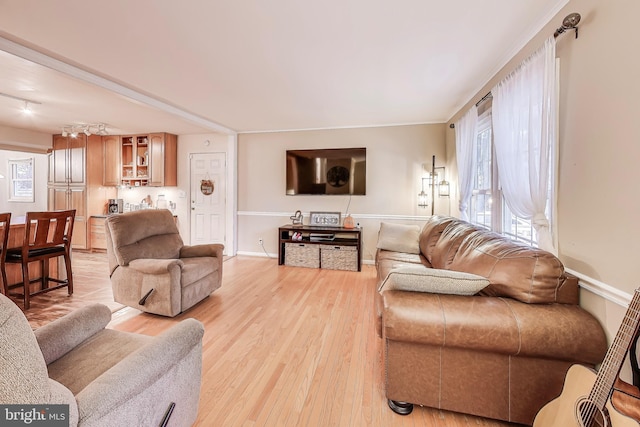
x=283, y=346
x=289, y=346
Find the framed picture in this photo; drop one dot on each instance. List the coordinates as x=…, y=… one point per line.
x=331, y=219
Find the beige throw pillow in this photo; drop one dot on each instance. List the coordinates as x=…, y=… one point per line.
x=423, y=279
x=399, y=238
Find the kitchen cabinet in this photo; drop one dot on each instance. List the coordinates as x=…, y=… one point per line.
x=69, y=159
x=111, y=155
x=98, y=234
x=76, y=178
x=149, y=160
x=64, y=198
x=163, y=160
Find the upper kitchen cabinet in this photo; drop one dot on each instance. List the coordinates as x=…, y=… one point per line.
x=68, y=160
x=163, y=163
x=111, y=155
x=149, y=160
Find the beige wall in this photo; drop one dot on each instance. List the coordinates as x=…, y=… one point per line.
x=598, y=203
x=395, y=155
x=24, y=140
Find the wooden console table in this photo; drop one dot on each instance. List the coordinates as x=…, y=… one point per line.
x=334, y=248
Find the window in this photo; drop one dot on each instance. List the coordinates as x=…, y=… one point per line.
x=488, y=208
x=482, y=196
x=21, y=180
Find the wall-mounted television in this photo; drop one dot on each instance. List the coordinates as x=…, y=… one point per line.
x=327, y=171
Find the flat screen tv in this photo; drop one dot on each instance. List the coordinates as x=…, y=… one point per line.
x=327, y=171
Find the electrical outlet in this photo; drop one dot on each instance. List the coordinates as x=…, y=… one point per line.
x=260, y=241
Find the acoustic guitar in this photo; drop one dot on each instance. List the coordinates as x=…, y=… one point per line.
x=585, y=398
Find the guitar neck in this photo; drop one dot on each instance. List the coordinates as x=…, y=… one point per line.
x=610, y=369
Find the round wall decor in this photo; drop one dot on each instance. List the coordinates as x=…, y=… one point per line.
x=207, y=186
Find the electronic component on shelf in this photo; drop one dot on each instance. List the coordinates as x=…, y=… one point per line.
x=321, y=237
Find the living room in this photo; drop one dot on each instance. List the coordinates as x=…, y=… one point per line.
x=597, y=105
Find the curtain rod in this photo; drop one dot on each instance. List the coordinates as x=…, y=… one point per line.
x=570, y=22
x=484, y=98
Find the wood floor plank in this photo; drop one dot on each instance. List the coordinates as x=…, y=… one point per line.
x=283, y=346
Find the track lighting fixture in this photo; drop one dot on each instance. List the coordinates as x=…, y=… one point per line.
x=88, y=129
x=27, y=102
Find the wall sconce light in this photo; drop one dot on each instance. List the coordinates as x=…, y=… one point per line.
x=443, y=188
x=423, y=198
x=432, y=180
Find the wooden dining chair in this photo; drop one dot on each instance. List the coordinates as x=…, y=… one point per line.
x=47, y=235
x=5, y=221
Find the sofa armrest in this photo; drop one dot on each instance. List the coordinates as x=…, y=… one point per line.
x=62, y=335
x=138, y=371
x=211, y=250
x=154, y=266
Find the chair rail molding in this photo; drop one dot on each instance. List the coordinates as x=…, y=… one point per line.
x=601, y=289
x=355, y=216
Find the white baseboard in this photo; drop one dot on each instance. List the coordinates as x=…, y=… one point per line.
x=258, y=254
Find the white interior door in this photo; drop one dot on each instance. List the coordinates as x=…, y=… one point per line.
x=208, y=210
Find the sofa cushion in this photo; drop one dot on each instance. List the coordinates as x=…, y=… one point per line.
x=150, y=233
x=423, y=279
x=449, y=242
x=514, y=269
x=399, y=238
x=431, y=232
x=194, y=269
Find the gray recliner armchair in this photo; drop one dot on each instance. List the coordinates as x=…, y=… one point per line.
x=150, y=267
x=107, y=377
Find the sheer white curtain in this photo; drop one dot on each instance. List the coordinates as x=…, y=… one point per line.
x=466, y=134
x=524, y=126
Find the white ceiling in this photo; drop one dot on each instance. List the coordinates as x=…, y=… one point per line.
x=255, y=65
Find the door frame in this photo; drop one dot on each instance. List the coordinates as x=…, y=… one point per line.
x=231, y=209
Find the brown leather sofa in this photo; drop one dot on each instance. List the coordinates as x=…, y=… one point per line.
x=502, y=353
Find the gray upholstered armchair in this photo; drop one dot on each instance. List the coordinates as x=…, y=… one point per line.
x=107, y=377
x=150, y=267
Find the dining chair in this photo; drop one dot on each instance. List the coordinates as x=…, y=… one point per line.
x=47, y=235
x=5, y=221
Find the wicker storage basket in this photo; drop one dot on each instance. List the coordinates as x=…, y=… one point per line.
x=339, y=258
x=301, y=255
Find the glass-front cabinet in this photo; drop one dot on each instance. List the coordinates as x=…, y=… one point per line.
x=148, y=160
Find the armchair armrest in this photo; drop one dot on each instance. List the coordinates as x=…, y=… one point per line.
x=137, y=372
x=212, y=250
x=62, y=335
x=154, y=266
